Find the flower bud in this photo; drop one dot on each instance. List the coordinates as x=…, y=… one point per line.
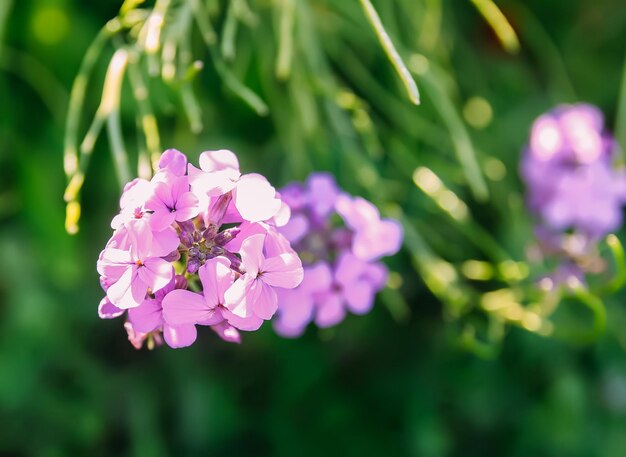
x=226, y=235
x=218, y=210
x=193, y=265
x=180, y=282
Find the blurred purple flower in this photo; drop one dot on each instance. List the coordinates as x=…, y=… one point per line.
x=567, y=168
x=342, y=272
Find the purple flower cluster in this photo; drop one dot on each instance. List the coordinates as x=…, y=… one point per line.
x=568, y=171
x=342, y=272
x=197, y=246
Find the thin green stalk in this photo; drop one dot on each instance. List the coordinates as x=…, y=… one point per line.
x=144, y=165
x=186, y=67
x=474, y=232
x=285, y=39
x=77, y=99
x=460, y=137
x=192, y=108
x=237, y=87
x=120, y=157
x=201, y=15
x=148, y=122
x=110, y=107
x=390, y=51
x=539, y=41
x=229, y=33
x=431, y=25
x=244, y=13
x=397, y=112
x=438, y=276
x=617, y=250
x=499, y=23
x=620, y=118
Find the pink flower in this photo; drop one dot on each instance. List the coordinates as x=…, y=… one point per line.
x=253, y=196
x=252, y=299
x=163, y=242
x=297, y=306
x=373, y=237
x=148, y=317
x=172, y=202
x=173, y=161
x=107, y=310
x=354, y=287
x=343, y=272
x=132, y=272
x=132, y=201
x=227, y=332
x=211, y=222
x=323, y=193
x=185, y=307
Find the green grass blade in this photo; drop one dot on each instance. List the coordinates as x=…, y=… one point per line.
x=285, y=39
x=237, y=87
x=460, y=137
x=392, y=53
x=620, y=118
x=499, y=23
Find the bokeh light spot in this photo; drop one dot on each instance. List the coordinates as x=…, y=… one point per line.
x=50, y=25
x=494, y=169
x=478, y=112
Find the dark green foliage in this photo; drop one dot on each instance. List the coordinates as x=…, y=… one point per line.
x=399, y=381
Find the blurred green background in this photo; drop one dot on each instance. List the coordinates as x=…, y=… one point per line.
x=392, y=383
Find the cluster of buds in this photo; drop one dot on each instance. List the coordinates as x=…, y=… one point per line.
x=573, y=187
x=196, y=246
x=340, y=239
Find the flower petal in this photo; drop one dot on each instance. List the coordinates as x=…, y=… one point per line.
x=266, y=302
x=348, y=268
x=227, y=332
x=360, y=297
x=222, y=159
x=357, y=212
x=185, y=307
x=186, y=207
x=129, y=291
x=146, y=317
x=107, y=310
x=216, y=277
x=247, y=323
x=284, y=270
x=240, y=295
x=255, y=198
x=252, y=253
x=180, y=336
x=156, y=273
x=330, y=310
x=174, y=161
x=113, y=262
x=317, y=278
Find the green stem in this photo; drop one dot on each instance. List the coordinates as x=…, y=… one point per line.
x=148, y=123
x=391, y=52
x=460, y=137
x=77, y=100
x=237, y=87
x=620, y=118
x=617, y=249
x=229, y=33
x=500, y=25
x=285, y=39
